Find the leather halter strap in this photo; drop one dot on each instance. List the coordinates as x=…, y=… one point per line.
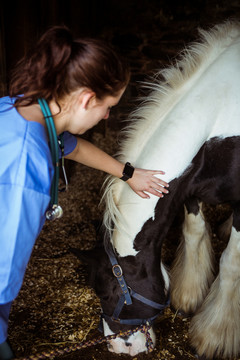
x=118, y=273
x=126, y=298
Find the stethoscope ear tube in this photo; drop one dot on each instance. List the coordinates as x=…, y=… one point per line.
x=55, y=210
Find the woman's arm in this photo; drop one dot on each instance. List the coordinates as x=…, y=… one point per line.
x=142, y=180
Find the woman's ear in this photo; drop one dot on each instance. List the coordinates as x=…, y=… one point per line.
x=87, y=98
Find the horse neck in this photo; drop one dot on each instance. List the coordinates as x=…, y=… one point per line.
x=154, y=231
x=173, y=129
x=189, y=108
x=147, y=223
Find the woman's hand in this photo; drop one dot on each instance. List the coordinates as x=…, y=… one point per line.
x=145, y=181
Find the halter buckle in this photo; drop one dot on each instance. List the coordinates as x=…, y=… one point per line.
x=117, y=271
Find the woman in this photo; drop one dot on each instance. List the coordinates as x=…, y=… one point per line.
x=74, y=83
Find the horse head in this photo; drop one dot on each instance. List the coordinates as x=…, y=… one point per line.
x=131, y=293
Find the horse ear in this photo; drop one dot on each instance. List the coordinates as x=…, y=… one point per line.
x=92, y=260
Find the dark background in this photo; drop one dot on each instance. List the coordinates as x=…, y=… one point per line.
x=128, y=24
x=149, y=33
x=55, y=307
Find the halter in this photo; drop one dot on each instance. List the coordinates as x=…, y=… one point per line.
x=126, y=298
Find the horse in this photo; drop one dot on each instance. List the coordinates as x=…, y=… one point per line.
x=188, y=125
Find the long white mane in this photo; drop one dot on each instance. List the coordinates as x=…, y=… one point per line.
x=155, y=113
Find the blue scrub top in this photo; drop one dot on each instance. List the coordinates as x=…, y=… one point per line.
x=26, y=172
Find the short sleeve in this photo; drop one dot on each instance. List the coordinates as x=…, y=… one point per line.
x=69, y=141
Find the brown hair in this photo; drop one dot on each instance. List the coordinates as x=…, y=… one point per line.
x=59, y=65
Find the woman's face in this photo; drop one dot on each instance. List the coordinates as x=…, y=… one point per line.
x=90, y=111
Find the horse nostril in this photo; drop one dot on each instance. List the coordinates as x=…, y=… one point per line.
x=128, y=344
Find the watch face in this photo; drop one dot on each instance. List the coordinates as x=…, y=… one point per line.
x=128, y=170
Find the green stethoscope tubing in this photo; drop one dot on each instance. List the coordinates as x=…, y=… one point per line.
x=53, y=139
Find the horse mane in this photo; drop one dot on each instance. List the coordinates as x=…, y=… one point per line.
x=166, y=87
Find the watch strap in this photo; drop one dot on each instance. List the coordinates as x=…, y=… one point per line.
x=125, y=178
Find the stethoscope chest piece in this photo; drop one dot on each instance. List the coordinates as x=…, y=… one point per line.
x=54, y=213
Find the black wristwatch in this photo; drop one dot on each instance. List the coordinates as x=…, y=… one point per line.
x=127, y=172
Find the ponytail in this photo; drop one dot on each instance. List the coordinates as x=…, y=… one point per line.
x=59, y=65
x=38, y=74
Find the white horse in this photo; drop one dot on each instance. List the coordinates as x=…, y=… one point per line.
x=189, y=126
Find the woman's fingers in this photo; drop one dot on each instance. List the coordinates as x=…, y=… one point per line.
x=143, y=195
x=160, y=186
x=152, y=191
x=162, y=182
x=156, y=192
x=145, y=182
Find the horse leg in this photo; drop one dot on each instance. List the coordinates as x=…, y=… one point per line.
x=192, y=272
x=215, y=329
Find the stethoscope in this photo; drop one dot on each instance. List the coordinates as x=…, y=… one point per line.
x=55, y=211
